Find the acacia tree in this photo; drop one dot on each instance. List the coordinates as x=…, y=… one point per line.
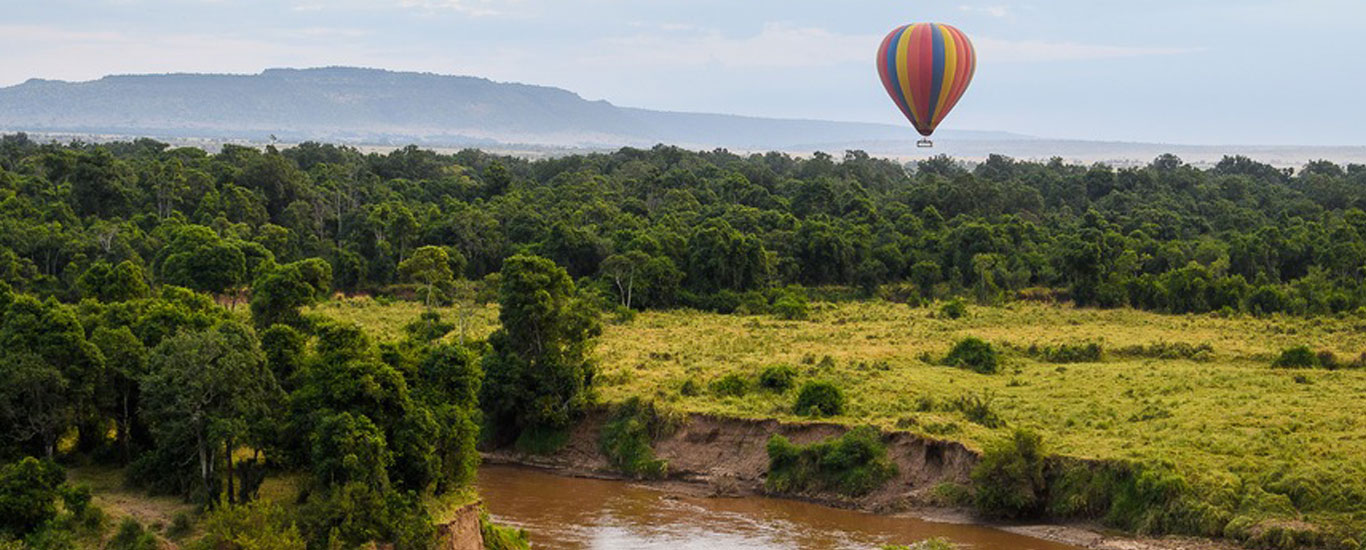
x=539, y=372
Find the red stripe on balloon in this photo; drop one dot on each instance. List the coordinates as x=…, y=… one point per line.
x=889, y=80
x=922, y=72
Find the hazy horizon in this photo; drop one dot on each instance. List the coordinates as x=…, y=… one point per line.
x=1163, y=72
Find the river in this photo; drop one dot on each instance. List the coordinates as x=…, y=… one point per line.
x=588, y=514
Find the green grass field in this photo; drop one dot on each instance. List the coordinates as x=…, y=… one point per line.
x=1226, y=421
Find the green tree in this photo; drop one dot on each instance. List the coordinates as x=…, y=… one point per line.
x=126, y=359
x=539, y=372
x=430, y=267
x=198, y=259
x=28, y=495
x=279, y=293
x=204, y=391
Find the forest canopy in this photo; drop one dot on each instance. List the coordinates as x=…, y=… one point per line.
x=667, y=227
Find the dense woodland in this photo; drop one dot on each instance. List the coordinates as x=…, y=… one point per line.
x=668, y=227
x=154, y=298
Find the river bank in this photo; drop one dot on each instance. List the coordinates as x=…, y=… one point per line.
x=712, y=457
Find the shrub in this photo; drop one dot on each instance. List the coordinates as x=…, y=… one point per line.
x=1170, y=350
x=428, y=327
x=853, y=464
x=791, y=306
x=730, y=385
x=181, y=525
x=1089, y=352
x=819, y=398
x=627, y=435
x=1009, y=478
x=973, y=353
x=28, y=495
x=779, y=378
x=927, y=544
x=1298, y=357
x=978, y=409
x=131, y=536
x=953, y=309
x=690, y=388
x=255, y=526
x=498, y=537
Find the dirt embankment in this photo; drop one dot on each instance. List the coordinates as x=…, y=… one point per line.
x=729, y=456
x=461, y=531
x=716, y=456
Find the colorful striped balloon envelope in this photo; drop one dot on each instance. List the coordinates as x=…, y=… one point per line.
x=926, y=67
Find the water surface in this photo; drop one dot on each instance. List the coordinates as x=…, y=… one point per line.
x=587, y=514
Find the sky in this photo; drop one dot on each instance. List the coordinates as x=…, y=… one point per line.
x=1168, y=71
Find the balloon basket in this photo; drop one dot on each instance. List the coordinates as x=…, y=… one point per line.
x=924, y=144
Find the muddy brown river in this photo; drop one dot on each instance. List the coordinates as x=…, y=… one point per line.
x=582, y=514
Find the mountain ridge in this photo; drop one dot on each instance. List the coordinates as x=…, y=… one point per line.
x=358, y=104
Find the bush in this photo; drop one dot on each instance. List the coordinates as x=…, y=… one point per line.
x=131, y=536
x=953, y=309
x=255, y=526
x=1298, y=357
x=29, y=490
x=181, y=525
x=853, y=464
x=819, y=398
x=791, y=306
x=1089, y=352
x=1009, y=478
x=428, y=327
x=973, y=353
x=628, y=434
x=978, y=409
x=1170, y=350
x=779, y=378
x=498, y=537
x=730, y=385
x=690, y=388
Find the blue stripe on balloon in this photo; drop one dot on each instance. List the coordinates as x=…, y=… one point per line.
x=938, y=72
x=890, y=62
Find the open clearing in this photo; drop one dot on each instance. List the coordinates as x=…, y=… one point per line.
x=1225, y=420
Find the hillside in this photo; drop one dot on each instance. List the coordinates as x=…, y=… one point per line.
x=371, y=105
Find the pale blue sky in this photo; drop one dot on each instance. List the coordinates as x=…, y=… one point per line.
x=1205, y=72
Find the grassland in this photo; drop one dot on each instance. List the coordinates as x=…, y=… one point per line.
x=1272, y=443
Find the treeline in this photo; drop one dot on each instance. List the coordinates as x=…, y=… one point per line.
x=198, y=403
x=667, y=227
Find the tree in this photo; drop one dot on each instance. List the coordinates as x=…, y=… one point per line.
x=113, y=284
x=430, y=267
x=28, y=495
x=539, y=372
x=623, y=270
x=206, y=388
x=277, y=294
x=198, y=259
x=52, y=372
x=126, y=359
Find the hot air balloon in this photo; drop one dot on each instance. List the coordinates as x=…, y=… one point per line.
x=926, y=67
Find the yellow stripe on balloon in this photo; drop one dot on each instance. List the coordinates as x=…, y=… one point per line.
x=902, y=68
x=950, y=71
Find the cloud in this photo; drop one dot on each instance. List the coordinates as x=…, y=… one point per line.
x=473, y=8
x=776, y=45
x=992, y=11
x=991, y=50
x=780, y=45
